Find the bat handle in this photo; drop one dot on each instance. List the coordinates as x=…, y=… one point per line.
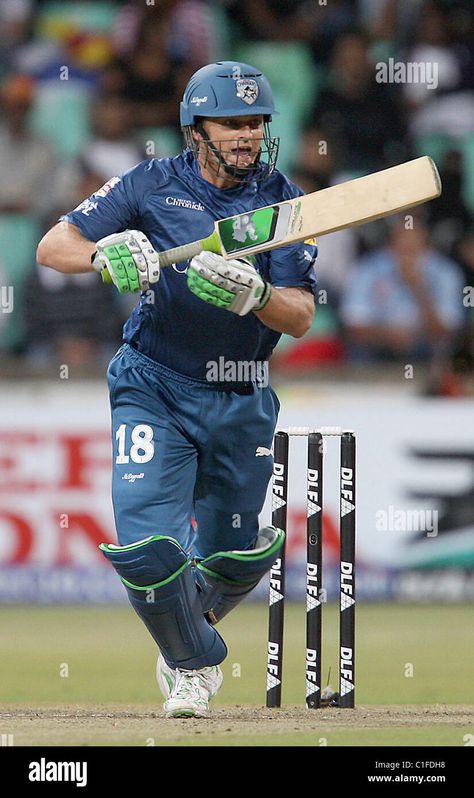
x=177, y=254
x=212, y=243
x=167, y=257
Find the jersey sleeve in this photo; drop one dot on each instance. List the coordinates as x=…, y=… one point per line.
x=115, y=206
x=293, y=266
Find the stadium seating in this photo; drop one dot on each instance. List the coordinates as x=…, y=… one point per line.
x=159, y=142
x=56, y=17
x=60, y=115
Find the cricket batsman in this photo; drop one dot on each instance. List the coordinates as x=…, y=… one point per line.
x=192, y=430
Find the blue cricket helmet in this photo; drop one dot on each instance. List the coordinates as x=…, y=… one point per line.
x=227, y=88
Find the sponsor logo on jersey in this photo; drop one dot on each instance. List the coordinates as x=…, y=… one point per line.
x=180, y=202
x=262, y=451
x=133, y=477
x=247, y=90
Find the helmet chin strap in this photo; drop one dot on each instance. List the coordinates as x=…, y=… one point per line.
x=231, y=171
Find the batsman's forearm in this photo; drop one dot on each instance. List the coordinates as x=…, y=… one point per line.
x=289, y=310
x=65, y=249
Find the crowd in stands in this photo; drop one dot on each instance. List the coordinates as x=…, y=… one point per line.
x=90, y=88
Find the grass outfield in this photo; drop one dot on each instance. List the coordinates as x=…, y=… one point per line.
x=91, y=659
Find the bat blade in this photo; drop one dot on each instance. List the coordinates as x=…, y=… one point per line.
x=348, y=204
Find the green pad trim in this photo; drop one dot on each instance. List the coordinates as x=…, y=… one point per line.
x=107, y=547
x=157, y=584
x=242, y=556
x=254, y=554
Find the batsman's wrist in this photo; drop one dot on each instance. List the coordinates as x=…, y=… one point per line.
x=267, y=292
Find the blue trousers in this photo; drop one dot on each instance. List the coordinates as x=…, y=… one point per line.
x=189, y=460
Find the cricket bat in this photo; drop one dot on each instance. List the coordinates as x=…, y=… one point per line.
x=345, y=205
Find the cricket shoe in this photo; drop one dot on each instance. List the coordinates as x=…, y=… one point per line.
x=192, y=692
x=165, y=676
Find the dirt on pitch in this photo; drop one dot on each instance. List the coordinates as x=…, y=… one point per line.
x=136, y=725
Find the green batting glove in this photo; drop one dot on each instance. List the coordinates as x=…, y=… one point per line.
x=233, y=285
x=127, y=260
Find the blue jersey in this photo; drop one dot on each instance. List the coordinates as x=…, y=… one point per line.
x=169, y=201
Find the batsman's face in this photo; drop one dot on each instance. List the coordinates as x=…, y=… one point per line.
x=238, y=138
